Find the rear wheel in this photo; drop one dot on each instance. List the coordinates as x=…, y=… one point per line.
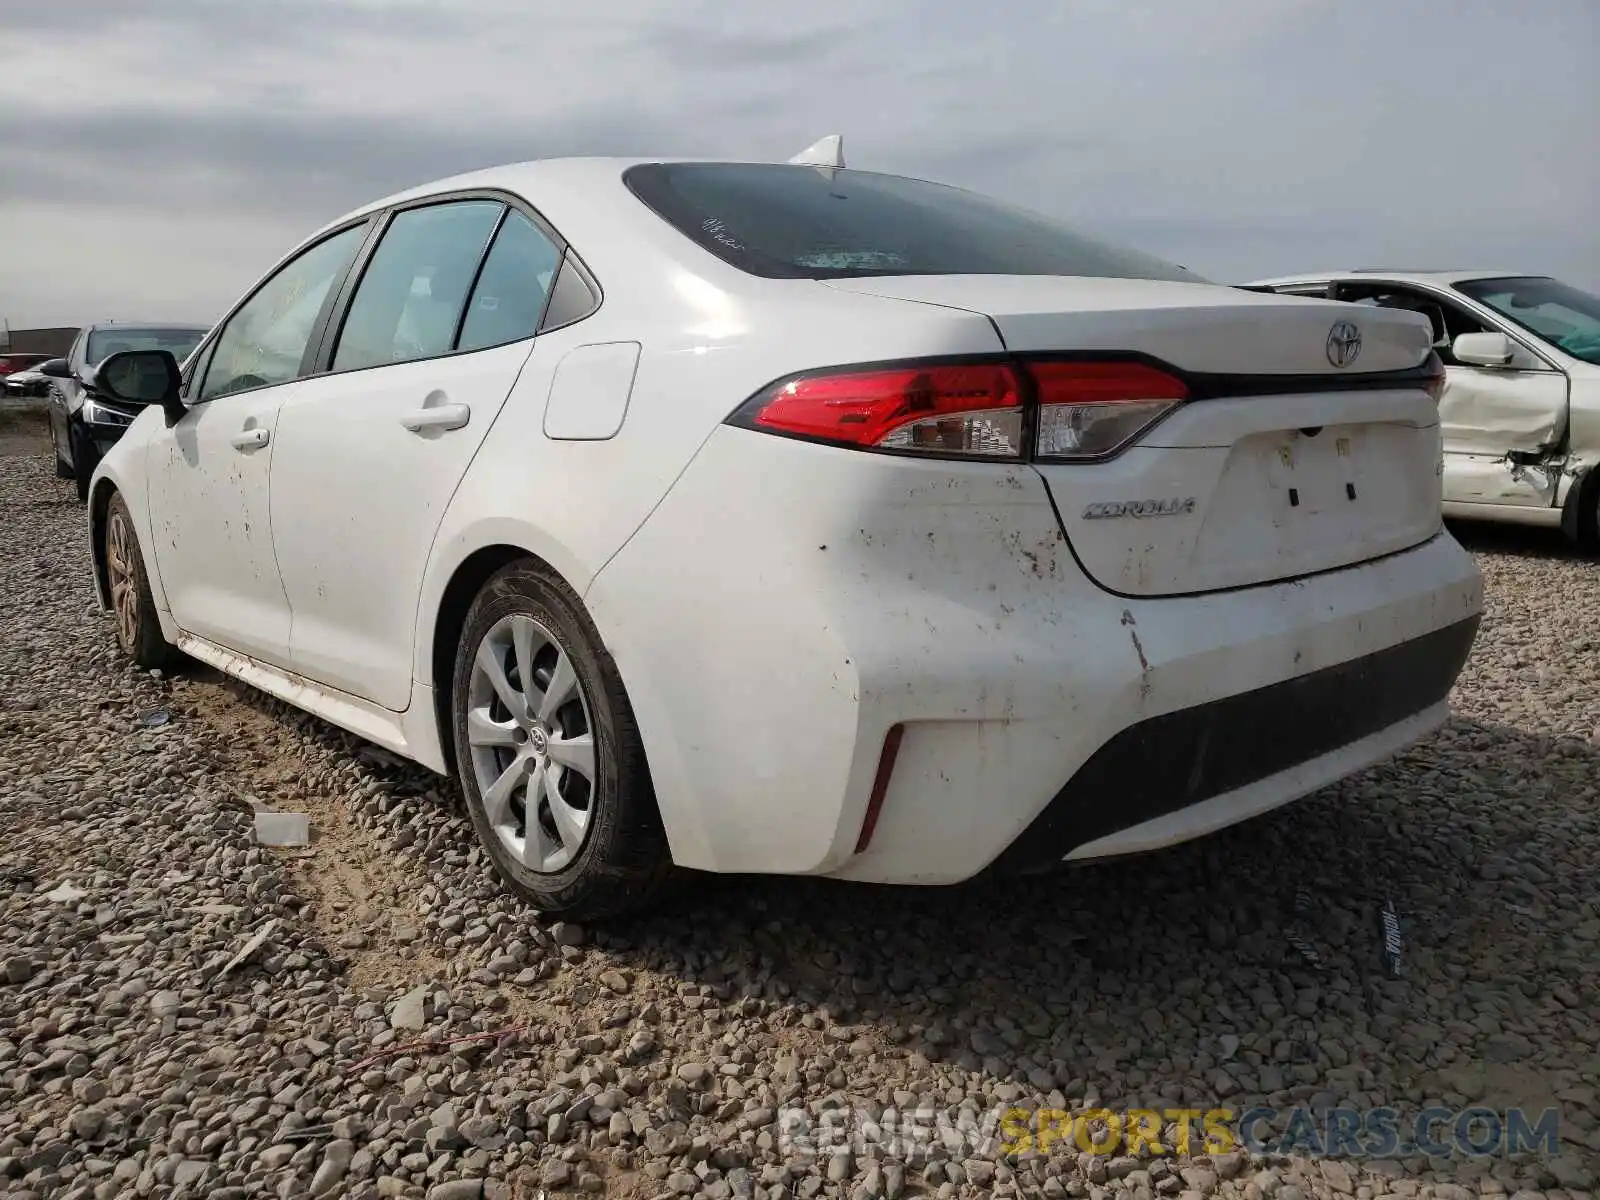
x=1582, y=521
x=138, y=627
x=549, y=755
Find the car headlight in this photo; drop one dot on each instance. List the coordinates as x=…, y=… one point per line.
x=99, y=414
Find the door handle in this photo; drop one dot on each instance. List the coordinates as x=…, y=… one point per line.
x=438, y=416
x=249, y=439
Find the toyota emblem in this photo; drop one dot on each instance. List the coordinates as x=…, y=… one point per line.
x=1344, y=344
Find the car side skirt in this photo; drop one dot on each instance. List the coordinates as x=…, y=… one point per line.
x=412, y=734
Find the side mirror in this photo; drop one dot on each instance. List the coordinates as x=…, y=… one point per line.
x=1483, y=349
x=144, y=377
x=55, y=368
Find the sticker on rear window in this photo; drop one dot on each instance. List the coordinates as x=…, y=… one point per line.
x=716, y=229
x=852, y=260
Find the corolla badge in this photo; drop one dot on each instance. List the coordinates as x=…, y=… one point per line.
x=1344, y=343
x=1103, y=510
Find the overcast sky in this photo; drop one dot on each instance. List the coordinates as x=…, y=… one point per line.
x=157, y=155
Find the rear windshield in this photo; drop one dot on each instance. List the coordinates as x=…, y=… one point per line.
x=795, y=222
x=103, y=343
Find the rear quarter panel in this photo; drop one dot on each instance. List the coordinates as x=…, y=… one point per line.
x=709, y=335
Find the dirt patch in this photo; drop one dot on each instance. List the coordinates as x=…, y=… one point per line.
x=356, y=896
x=24, y=430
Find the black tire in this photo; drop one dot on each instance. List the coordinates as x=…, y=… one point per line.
x=624, y=862
x=1581, y=520
x=64, y=470
x=63, y=465
x=82, y=467
x=138, y=629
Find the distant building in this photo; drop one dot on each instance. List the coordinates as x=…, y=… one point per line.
x=37, y=341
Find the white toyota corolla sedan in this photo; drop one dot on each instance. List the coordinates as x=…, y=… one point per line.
x=778, y=517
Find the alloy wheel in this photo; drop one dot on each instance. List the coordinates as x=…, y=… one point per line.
x=124, y=583
x=531, y=743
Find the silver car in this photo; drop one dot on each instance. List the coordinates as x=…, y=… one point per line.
x=1520, y=410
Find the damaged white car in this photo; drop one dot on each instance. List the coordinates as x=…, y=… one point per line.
x=1520, y=411
x=778, y=517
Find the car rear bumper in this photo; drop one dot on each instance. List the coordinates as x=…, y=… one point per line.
x=1171, y=777
x=788, y=605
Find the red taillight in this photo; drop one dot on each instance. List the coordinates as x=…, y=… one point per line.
x=1068, y=409
x=964, y=408
x=1435, y=384
x=1092, y=409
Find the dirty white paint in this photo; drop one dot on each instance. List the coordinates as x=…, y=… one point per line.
x=1271, y=500
x=413, y=733
x=210, y=522
x=846, y=593
x=357, y=495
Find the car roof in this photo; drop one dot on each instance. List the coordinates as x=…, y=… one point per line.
x=120, y=323
x=1393, y=274
x=540, y=177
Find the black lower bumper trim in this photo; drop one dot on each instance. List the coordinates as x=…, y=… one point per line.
x=1178, y=759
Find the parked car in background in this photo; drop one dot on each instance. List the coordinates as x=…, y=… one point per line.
x=30, y=381
x=1520, y=410
x=83, y=423
x=762, y=517
x=12, y=363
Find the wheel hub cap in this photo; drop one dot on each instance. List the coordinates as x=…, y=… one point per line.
x=531, y=744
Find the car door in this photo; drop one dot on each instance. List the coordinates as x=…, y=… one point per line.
x=437, y=326
x=1501, y=427
x=59, y=398
x=209, y=473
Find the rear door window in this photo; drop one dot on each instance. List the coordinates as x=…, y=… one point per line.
x=796, y=222
x=510, y=293
x=412, y=294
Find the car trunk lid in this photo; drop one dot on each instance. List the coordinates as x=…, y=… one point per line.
x=1308, y=443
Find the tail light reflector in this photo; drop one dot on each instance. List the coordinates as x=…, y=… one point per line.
x=1092, y=409
x=971, y=409
x=880, y=784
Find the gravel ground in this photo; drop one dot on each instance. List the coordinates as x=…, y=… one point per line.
x=183, y=1013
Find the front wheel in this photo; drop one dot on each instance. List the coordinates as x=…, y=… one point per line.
x=83, y=458
x=64, y=468
x=138, y=626
x=549, y=755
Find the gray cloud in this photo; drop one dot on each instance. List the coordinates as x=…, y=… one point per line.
x=1242, y=137
x=705, y=48
x=286, y=162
